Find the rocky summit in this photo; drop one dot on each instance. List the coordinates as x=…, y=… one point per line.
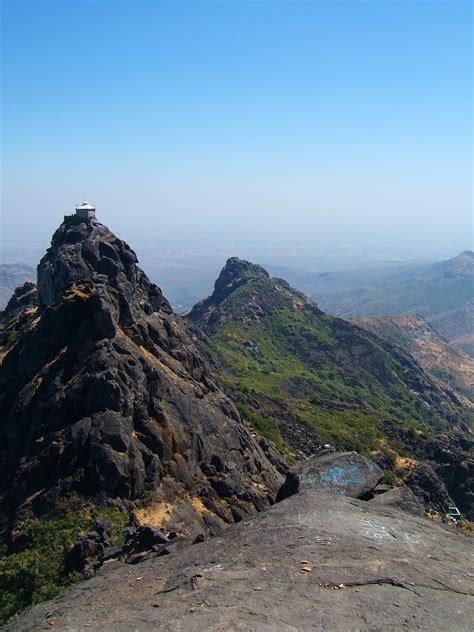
x=105, y=397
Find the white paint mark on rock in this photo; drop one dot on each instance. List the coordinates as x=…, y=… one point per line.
x=376, y=531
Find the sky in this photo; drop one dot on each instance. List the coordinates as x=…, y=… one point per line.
x=217, y=124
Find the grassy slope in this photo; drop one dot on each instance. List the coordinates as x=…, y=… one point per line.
x=347, y=378
x=448, y=365
x=37, y=572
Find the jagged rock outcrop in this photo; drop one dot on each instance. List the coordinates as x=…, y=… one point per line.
x=104, y=395
x=24, y=296
x=18, y=314
x=91, y=550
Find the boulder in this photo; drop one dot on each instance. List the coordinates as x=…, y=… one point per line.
x=346, y=473
x=85, y=549
x=147, y=536
x=104, y=527
x=401, y=497
x=424, y=480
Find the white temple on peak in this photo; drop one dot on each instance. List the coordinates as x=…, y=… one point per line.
x=85, y=210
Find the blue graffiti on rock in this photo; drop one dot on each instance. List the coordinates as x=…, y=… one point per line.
x=345, y=475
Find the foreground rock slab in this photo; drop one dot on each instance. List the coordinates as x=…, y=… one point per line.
x=312, y=562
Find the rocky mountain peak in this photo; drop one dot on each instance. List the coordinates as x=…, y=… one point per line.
x=459, y=267
x=245, y=291
x=235, y=272
x=24, y=296
x=88, y=252
x=104, y=395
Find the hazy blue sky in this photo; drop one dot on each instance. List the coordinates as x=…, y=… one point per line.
x=334, y=120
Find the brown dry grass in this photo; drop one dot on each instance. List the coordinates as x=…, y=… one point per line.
x=157, y=513
x=404, y=463
x=79, y=290
x=154, y=514
x=198, y=504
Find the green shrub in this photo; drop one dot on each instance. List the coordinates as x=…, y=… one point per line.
x=12, y=337
x=265, y=427
x=389, y=477
x=38, y=572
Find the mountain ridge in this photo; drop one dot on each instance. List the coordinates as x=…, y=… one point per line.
x=442, y=293
x=310, y=379
x=447, y=364
x=116, y=411
x=11, y=276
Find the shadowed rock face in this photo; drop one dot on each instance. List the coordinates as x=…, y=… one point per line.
x=104, y=394
x=442, y=470
x=19, y=313
x=311, y=562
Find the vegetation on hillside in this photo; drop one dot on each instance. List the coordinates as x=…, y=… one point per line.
x=279, y=353
x=343, y=405
x=448, y=365
x=38, y=572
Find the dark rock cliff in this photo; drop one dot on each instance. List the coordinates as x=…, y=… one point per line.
x=19, y=312
x=104, y=395
x=441, y=469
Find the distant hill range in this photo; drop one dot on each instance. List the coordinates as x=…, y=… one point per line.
x=11, y=276
x=448, y=366
x=442, y=293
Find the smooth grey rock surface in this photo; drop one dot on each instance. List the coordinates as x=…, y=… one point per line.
x=401, y=497
x=312, y=562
